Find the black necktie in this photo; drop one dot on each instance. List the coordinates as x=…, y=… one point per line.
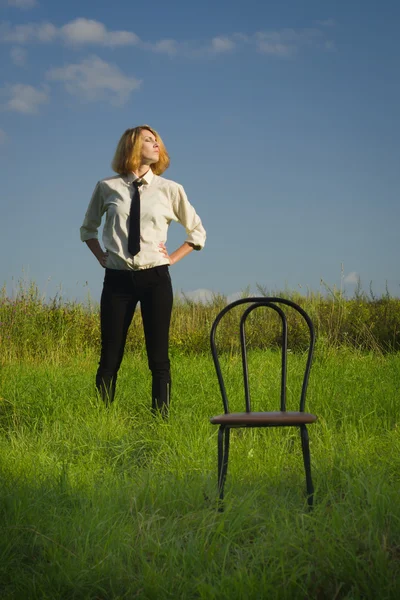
x=134, y=220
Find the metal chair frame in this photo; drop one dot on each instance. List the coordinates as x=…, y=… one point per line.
x=281, y=418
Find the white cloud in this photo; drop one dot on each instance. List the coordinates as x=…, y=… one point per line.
x=87, y=31
x=276, y=48
x=234, y=296
x=169, y=47
x=221, y=45
x=203, y=296
x=31, y=32
x=24, y=98
x=216, y=46
x=22, y=3
x=79, y=32
x=18, y=56
x=286, y=42
x=94, y=79
x=3, y=137
x=352, y=277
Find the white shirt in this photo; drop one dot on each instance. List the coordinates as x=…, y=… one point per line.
x=161, y=201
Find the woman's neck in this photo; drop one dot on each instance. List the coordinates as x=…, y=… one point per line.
x=142, y=170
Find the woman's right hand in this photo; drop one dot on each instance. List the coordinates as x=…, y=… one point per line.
x=103, y=259
x=94, y=246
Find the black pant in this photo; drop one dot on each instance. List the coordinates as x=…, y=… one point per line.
x=122, y=290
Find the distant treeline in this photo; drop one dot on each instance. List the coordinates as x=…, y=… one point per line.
x=33, y=327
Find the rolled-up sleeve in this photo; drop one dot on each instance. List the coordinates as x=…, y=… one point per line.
x=94, y=213
x=187, y=216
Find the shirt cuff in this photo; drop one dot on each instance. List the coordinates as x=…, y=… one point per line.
x=88, y=235
x=196, y=241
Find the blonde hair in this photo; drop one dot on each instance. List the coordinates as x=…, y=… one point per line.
x=127, y=157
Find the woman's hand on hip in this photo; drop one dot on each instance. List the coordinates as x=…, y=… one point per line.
x=178, y=254
x=103, y=259
x=163, y=249
x=97, y=250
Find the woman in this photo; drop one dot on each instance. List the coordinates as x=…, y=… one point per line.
x=139, y=205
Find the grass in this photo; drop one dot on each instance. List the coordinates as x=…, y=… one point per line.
x=32, y=328
x=112, y=504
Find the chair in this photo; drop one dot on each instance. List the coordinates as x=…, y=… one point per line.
x=281, y=418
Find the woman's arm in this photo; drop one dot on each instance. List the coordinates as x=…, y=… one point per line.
x=179, y=253
x=94, y=245
x=186, y=215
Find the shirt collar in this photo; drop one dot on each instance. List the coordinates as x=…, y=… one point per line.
x=147, y=179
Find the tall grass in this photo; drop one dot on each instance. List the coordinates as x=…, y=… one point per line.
x=362, y=322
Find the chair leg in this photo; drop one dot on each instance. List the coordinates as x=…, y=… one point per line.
x=223, y=456
x=307, y=464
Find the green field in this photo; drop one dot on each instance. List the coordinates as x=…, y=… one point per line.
x=101, y=503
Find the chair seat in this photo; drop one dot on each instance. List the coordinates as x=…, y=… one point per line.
x=254, y=419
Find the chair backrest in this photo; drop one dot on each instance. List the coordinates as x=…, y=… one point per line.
x=273, y=303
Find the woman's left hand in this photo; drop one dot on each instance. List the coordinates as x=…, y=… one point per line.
x=163, y=249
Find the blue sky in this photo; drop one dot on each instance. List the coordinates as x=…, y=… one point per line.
x=281, y=119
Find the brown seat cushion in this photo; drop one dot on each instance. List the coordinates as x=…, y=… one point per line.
x=252, y=419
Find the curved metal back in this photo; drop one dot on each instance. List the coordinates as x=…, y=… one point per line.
x=269, y=302
x=244, y=352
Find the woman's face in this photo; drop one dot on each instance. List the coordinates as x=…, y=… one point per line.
x=150, y=148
